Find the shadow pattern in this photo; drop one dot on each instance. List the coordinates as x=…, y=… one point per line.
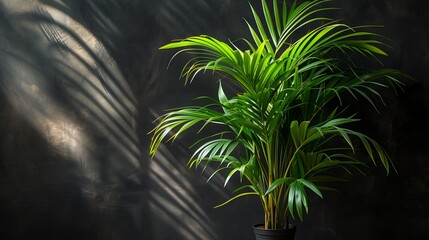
x=81, y=84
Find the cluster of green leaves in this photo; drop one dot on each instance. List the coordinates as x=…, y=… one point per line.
x=280, y=135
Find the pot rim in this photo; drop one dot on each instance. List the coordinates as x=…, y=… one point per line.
x=259, y=226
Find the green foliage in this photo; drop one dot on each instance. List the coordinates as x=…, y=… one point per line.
x=280, y=135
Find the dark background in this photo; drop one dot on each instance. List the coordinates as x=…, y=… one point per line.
x=82, y=82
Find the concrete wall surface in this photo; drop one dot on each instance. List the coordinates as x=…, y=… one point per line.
x=82, y=82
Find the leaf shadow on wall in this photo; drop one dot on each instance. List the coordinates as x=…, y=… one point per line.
x=69, y=78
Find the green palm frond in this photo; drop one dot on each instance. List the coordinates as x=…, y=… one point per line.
x=279, y=134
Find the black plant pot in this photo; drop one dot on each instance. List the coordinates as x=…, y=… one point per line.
x=274, y=234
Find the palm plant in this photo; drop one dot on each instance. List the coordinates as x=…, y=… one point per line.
x=286, y=130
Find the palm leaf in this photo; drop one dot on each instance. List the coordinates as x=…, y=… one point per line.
x=279, y=135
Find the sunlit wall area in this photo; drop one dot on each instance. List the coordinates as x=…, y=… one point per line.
x=69, y=116
x=82, y=83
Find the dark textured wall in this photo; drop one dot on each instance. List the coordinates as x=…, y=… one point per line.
x=82, y=82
